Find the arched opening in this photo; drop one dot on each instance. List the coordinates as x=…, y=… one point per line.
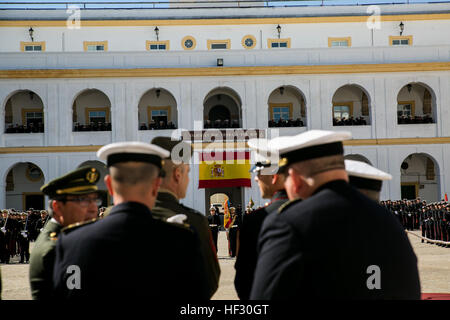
x=91, y=111
x=357, y=157
x=287, y=107
x=351, y=106
x=222, y=109
x=23, y=183
x=157, y=110
x=416, y=103
x=420, y=177
x=103, y=170
x=24, y=113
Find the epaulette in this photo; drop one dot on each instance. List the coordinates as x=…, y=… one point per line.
x=286, y=205
x=184, y=226
x=76, y=225
x=53, y=236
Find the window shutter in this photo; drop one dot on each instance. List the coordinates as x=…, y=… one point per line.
x=430, y=169
x=426, y=102
x=364, y=105
x=302, y=108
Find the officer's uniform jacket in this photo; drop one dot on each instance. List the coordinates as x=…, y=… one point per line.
x=330, y=245
x=109, y=256
x=167, y=205
x=42, y=259
x=248, y=239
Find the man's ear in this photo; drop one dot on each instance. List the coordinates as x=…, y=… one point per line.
x=177, y=173
x=298, y=181
x=57, y=212
x=156, y=185
x=108, y=182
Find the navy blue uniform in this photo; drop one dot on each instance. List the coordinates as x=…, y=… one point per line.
x=248, y=240
x=109, y=256
x=324, y=247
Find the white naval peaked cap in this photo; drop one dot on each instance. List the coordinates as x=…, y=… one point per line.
x=132, y=151
x=365, y=176
x=262, y=153
x=309, y=145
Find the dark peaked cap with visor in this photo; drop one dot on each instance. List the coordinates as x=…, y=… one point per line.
x=80, y=181
x=135, y=151
x=178, y=147
x=364, y=176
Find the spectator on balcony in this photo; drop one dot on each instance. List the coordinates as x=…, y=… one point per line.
x=143, y=126
x=208, y=124
x=40, y=127
x=171, y=125
x=107, y=126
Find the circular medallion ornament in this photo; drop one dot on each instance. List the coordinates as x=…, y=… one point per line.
x=188, y=43
x=248, y=42
x=33, y=173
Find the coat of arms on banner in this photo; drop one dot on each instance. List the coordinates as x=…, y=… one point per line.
x=217, y=171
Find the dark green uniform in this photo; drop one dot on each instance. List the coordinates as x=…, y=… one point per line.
x=41, y=262
x=167, y=205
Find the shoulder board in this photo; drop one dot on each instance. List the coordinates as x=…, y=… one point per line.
x=184, y=226
x=286, y=205
x=77, y=225
x=53, y=236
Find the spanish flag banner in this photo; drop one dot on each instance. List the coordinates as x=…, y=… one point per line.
x=226, y=214
x=224, y=169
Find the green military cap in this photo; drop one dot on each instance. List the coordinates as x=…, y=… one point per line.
x=181, y=151
x=80, y=181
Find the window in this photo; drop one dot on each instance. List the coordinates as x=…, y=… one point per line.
x=342, y=110
x=157, y=45
x=279, y=43
x=400, y=41
x=188, y=43
x=280, y=111
x=248, y=42
x=158, y=114
x=339, y=42
x=97, y=115
x=34, y=116
x=219, y=44
x=32, y=46
x=95, y=45
x=405, y=109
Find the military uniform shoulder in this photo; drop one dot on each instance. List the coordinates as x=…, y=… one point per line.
x=77, y=225
x=190, y=210
x=175, y=225
x=287, y=205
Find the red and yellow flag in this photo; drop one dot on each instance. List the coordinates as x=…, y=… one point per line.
x=226, y=214
x=224, y=169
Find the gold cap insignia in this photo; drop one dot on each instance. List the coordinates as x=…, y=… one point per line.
x=282, y=162
x=92, y=175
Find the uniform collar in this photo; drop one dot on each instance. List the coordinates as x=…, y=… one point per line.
x=165, y=194
x=335, y=185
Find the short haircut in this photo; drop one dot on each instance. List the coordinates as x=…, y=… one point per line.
x=168, y=167
x=312, y=167
x=133, y=173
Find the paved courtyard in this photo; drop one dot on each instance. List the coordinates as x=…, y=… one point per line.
x=434, y=268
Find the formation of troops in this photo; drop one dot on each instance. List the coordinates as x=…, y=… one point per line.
x=432, y=219
x=17, y=230
x=322, y=233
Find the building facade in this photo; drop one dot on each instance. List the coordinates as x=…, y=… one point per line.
x=82, y=79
